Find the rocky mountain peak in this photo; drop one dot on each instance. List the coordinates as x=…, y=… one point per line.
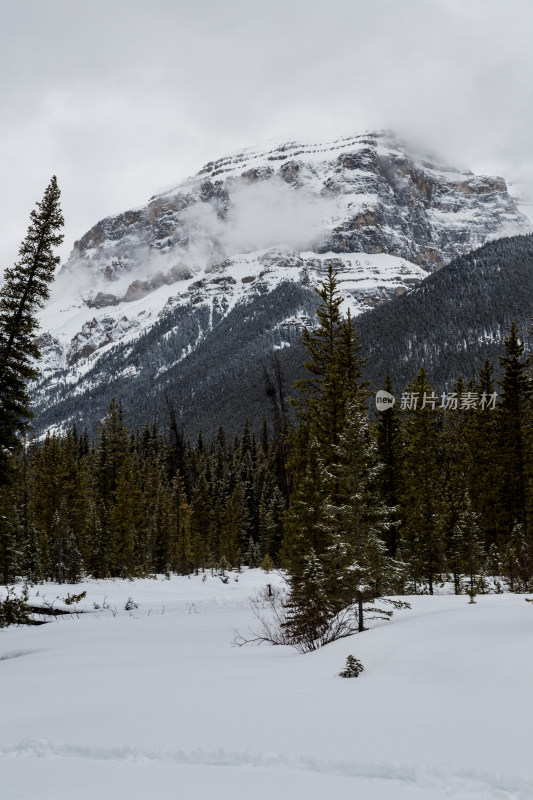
x=246, y=224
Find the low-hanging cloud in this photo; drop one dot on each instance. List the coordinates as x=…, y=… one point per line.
x=155, y=92
x=260, y=214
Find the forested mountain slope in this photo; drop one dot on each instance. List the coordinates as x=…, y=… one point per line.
x=455, y=318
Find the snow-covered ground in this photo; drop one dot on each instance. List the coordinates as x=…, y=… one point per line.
x=156, y=703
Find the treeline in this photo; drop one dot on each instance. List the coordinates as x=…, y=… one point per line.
x=437, y=487
x=352, y=503
x=136, y=504
x=458, y=471
x=454, y=319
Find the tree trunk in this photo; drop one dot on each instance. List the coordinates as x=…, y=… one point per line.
x=360, y=626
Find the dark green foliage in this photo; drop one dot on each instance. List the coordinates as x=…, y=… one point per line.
x=468, y=550
x=334, y=549
x=14, y=609
x=390, y=453
x=422, y=540
x=114, y=508
x=25, y=289
x=452, y=496
x=515, y=432
x=352, y=669
x=453, y=320
x=310, y=608
x=485, y=466
x=515, y=560
x=267, y=564
x=358, y=520
x=10, y=538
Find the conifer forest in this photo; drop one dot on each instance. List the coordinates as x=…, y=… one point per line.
x=350, y=502
x=266, y=400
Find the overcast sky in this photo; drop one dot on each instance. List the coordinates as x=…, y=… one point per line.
x=123, y=98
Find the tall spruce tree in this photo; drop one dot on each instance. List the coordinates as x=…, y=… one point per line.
x=305, y=534
x=390, y=454
x=515, y=434
x=485, y=474
x=25, y=289
x=320, y=546
x=234, y=527
x=422, y=541
x=181, y=518
x=468, y=550
x=126, y=521
x=454, y=458
x=200, y=522
x=309, y=610
x=320, y=404
x=515, y=559
x=360, y=569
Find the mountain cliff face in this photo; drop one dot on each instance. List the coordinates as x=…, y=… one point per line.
x=147, y=293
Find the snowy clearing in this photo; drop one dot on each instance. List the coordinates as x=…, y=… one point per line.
x=155, y=702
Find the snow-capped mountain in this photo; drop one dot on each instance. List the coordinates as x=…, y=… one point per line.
x=145, y=292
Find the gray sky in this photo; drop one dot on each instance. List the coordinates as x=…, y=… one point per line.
x=123, y=99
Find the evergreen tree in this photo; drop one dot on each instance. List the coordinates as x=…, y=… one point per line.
x=322, y=394
x=25, y=289
x=98, y=552
x=46, y=475
x=126, y=519
x=273, y=526
x=309, y=610
x=252, y=557
x=215, y=531
x=516, y=559
x=453, y=438
x=485, y=474
x=468, y=549
x=360, y=569
x=263, y=527
x=515, y=433
x=422, y=546
x=234, y=527
x=112, y=450
x=156, y=537
x=305, y=533
x=181, y=521
x=28, y=540
x=200, y=523
x=65, y=554
x=316, y=546
x=10, y=555
x=390, y=454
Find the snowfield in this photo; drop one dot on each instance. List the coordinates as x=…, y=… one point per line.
x=155, y=702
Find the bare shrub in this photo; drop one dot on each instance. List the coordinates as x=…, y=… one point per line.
x=270, y=607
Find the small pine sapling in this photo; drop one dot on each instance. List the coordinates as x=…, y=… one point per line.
x=70, y=599
x=352, y=669
x=13, y=609
x=267, y=565
x=223, y=568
